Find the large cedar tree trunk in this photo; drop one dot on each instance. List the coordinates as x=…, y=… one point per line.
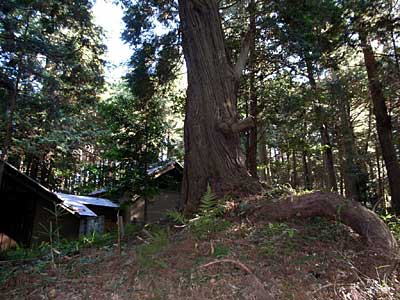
x=212, y=147
x=383, y=122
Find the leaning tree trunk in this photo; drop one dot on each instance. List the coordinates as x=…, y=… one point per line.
x=212, y=126
x=332, y=206
x=383, y=122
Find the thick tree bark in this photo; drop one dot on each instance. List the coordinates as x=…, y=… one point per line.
x=383, y=122
x=212, y=156
x=332, y=206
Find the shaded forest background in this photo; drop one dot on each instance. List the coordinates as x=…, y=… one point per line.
x=322, y=84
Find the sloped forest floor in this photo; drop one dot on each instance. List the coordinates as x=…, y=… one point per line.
x=218, y=258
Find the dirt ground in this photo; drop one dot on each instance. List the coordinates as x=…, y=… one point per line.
x=309, y=259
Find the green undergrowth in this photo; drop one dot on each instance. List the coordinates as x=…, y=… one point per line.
x=283, y=190
x=147, y=253
x=63, y=248
x=67, y=247
x=221, y=250
x=209, y=219
x=280, y=238
x=40, y=256
x=393, y=222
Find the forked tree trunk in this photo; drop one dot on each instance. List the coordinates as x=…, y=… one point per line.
x=332, y=206
x=212, y=146
x=212, y=149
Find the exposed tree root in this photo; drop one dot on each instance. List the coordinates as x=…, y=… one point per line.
x=332, y=206
x=259, y=292
x=235, y=262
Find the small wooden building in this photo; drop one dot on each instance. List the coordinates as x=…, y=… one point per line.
x=93, y=210
x=27, y=209
x=167, y=178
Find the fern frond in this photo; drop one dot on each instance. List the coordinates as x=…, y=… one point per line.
x=177, y=217
x=210, y=205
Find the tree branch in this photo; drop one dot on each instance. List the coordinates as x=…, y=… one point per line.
x=244, y=54
x=237, y=126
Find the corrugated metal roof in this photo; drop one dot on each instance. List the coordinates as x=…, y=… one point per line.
x=163, y=168
x=72, y=203
x=98, y=192
x=86, y=200
x=78, y=208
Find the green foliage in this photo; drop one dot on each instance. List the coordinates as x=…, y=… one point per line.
x=21, y=253
x=393, y=222
x=132, y=137
x=51, y=72
x=132, y=229
x=322, y=229
x=209, y=218
x=274, y=230
x=41, y=255
x=177, y=217
x=64, y=247
x=202, y=227
x=92, y=240
x=210, y=206
x=277, y=237
x=147, y=253
x=221, y=250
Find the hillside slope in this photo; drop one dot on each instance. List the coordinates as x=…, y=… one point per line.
x=217, y=259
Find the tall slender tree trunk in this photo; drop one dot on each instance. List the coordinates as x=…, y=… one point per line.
x=328, y=158
x=212, y=147
x=350, y=169
x=324, y=132
x=252, y=147
x=262, y=150
x=294, y=178
x=306, y=171
x=383, y=122
x=380, y=184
